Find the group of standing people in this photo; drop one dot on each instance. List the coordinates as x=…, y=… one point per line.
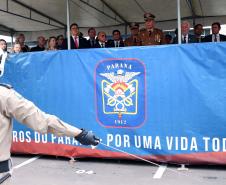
x=13, y=105
x=139, y=37
x=53, y=43
x=197, y=37
x=149, y=35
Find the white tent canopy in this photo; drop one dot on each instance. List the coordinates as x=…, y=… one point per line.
x=49, y=17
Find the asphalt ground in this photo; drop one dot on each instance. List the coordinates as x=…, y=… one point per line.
x=49, y=170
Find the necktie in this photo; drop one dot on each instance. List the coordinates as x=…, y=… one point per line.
x=150, y=33
x=184, y=39
x=92, y=43
x=215, y=38
x=116, y=44
x=76, y=43
x=102, y=45
x=135, y=40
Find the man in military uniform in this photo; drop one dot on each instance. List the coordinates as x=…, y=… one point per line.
x=151, y=35
x=134, y=39
x=13, y=105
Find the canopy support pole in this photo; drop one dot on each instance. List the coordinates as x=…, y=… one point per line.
x=126, y=31
x=11, y=34
x=178, y=22
x=68, y=26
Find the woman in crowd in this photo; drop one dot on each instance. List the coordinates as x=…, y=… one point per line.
x=52, y=44
x=60, y=40
x=20, y=39
x=16, y=48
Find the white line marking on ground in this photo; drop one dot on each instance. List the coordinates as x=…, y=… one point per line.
x=80, y=171
x=159, y=172
x=26, y=162
x=84, y=171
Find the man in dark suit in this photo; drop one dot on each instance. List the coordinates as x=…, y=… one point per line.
x=185, y=36
x=215, y=36
x=117, y=40
x=198, y=31
x=41, y=44
x=101, y=40
x=92, y=37
x=77, y=41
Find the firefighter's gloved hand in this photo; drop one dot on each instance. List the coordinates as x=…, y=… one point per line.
x=87, y=138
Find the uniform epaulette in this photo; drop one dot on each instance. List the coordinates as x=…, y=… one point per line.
x=6, y=85
x=143, y=29
x=158, y=30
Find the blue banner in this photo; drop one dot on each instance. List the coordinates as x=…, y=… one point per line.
x=164, y=102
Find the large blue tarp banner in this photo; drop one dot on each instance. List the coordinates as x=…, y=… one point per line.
x=164, y=103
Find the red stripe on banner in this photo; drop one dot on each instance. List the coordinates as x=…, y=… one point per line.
x=79, y=151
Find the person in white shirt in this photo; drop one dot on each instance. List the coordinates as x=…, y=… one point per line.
x=185, y=36
x=77, y=41
x=215, y=36
x=3, y=45
x=92, y=37
x=3, y=56
x=117, y=40
x=101, y=40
